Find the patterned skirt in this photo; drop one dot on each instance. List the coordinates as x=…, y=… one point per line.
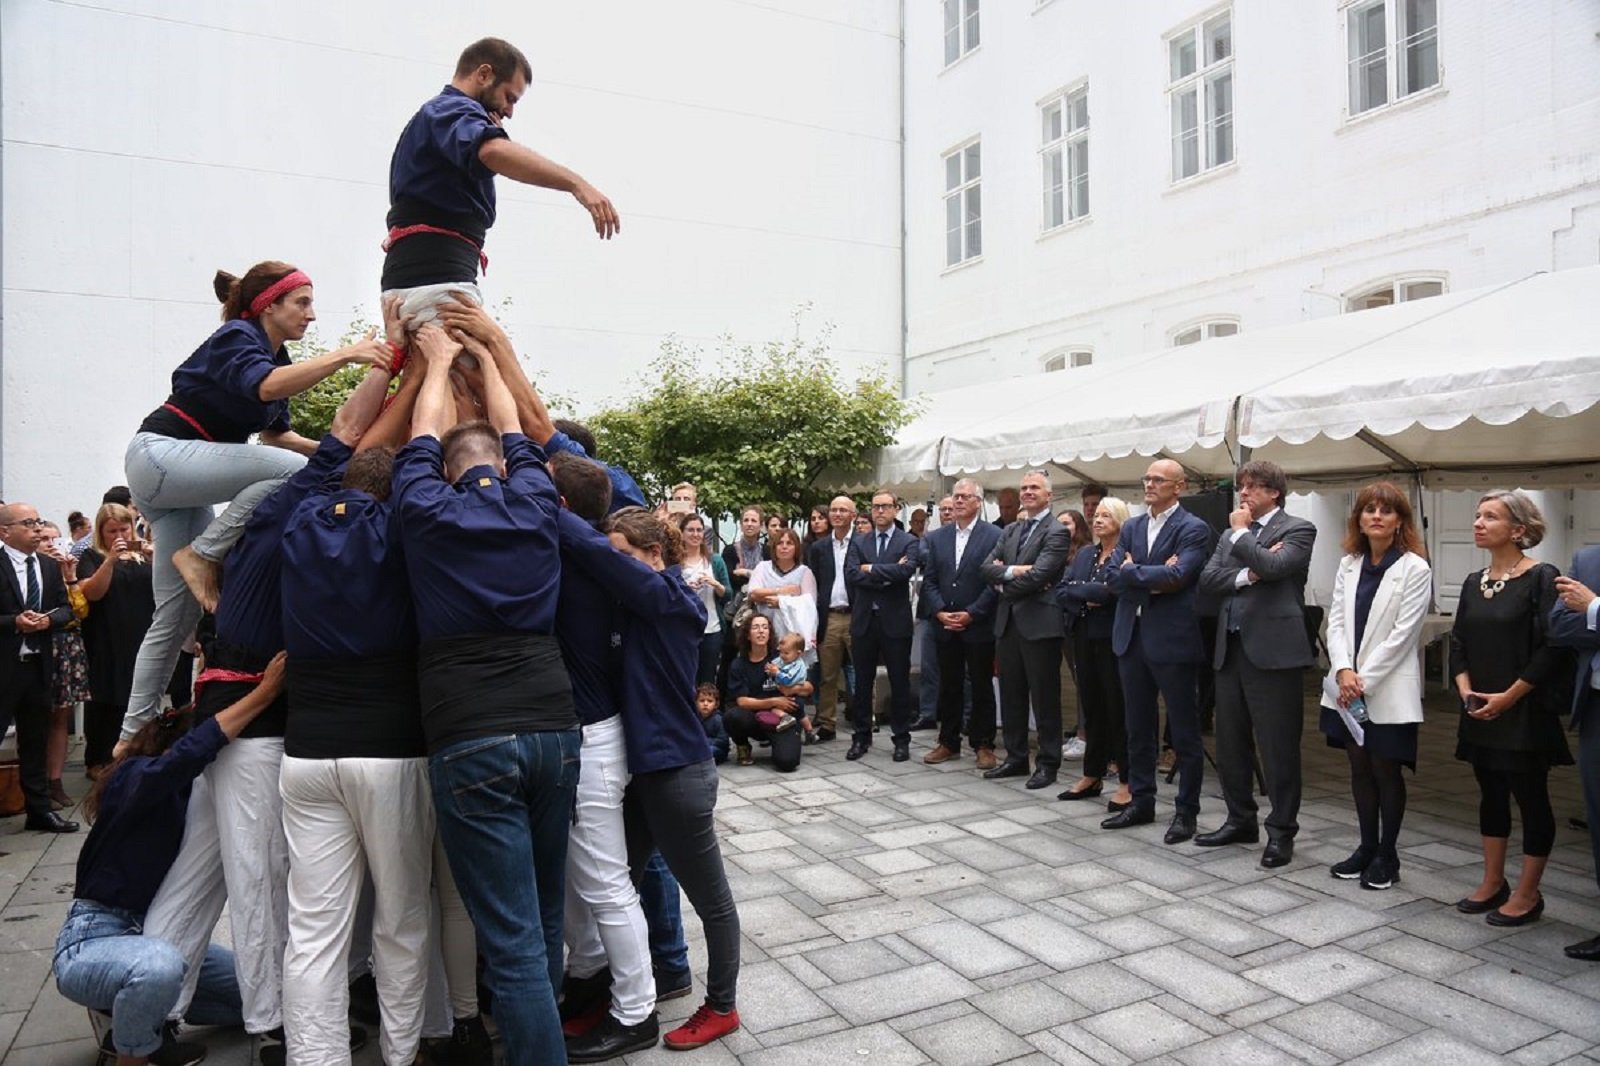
x=71, y=681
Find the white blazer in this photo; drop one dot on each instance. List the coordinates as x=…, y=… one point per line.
x=1388, y=664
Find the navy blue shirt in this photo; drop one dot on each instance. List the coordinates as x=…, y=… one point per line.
x=625, y=491
x=345, y=593
x=140, y=826
x=435, y=176
x=660, y=649
x=482, y=553
x=1367, y=587
x=586, y=625
x=219, y=386
x=250, y=611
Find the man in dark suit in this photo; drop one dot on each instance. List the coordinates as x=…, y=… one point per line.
x=960, y=606
x=878, y=569
x=1258, y=577
x=1573, y=625
x=826, y=558
x=33, y=602
x=1156, y=638
x=1024, y=567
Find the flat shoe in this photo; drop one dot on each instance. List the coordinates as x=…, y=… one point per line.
x=1468, y=905
x=1083, y=793
x=1528, y=917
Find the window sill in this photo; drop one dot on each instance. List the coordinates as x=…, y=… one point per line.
x=1065, y=227
x=960, y=59
x=1372, y=114
x=964, y=264
x=1204, y=176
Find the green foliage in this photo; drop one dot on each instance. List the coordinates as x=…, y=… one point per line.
x=311, y=412
x=756, y=426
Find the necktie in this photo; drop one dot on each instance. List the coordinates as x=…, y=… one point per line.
x=883, y=544
x=34, y=601
x=1255, y=528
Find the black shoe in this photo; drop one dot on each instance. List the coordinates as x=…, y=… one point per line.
x=1501, y=918
x=1181, y=829
x=1008, y=768
x=1083, y=793
x=925, y=723
x=49, y=822
x=1129, y=817
x=1585, y=951
x=364, y=1000
x=1351, y=868
x=467, y=1045
x=1381, y=873
x=825, y=735
x=1042, y=778
x=1277, y=853
x=902, y=750
x=1230, y=832
x=1468, y=905
x=672, y=984
x=172, y=1051
x=580, y=995
x=858, y=748
x=611, y=1039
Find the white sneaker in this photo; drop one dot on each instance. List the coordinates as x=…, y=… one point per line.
x=1074, y=749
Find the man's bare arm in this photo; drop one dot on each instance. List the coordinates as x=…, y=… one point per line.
x=521, y=163
x=433, y=414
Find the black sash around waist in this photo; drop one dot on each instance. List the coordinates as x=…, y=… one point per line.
x=493, y=684
x=354, y=708
x=213, y=696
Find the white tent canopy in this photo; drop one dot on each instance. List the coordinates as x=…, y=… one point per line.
x=1486, y=380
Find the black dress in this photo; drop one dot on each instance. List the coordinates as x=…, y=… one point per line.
x=112, y=634
x=1497, y=641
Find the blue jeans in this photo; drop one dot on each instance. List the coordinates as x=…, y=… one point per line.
x=505, y=807
x=663, y=913
x=103, y=962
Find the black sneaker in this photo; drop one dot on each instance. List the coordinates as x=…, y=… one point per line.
x=364, y=1000
x=1352, y=867
x=468, y=1045
x=1381, y=873
x=672, y=984
x=172, y=1051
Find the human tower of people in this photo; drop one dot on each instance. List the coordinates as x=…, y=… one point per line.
x=448, y=712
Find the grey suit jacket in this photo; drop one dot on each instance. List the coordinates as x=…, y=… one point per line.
x=1270, y=614
x=1029, y=599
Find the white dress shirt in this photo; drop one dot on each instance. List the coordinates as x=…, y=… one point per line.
x=963, y=534
x=1242, y=578
x=1153, y=529
x=839, y=596
x=19, y=564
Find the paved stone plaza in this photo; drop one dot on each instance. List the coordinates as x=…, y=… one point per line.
x=900, y=914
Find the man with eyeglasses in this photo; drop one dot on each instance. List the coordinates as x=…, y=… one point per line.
x=33, y=601
x=1156, y=638
x=878, y=569
x=1024, y=567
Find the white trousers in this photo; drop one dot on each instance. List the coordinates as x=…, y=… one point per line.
x=604, y=922
x=233, y=852
x=421, y=303
x=342, y=817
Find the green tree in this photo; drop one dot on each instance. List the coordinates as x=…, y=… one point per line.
x=756, y=426
x=311, y=412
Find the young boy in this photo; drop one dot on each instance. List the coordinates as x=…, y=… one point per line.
x=709, y=703
x=787, y=673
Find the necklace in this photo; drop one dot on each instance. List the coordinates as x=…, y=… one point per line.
x=1488, y=589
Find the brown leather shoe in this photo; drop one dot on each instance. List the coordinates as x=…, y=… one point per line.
x=986, y=759
x=939, y=754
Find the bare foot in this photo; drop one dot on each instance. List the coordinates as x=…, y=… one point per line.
x=200, y=574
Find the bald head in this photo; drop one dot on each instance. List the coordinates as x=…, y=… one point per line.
x=841, y=515
x=1164, y=482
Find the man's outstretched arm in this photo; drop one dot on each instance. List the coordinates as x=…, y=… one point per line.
x=521, y=163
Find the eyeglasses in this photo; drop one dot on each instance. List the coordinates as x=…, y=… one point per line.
x=963, y=496
x=1157, y=480
x=26, y=523
x=883, y=506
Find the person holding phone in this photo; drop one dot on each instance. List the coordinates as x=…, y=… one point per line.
x=1514, y=688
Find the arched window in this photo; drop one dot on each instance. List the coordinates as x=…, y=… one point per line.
x=1395, y=290
x=1067, y=358
x=1204, y=330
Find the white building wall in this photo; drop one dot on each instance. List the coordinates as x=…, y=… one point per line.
x=751, y=149
x=1493, y=175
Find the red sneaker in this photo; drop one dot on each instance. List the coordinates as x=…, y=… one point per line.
x=581, y=1024
x=703, y=1026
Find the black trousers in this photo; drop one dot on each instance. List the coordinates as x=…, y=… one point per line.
x=1143, y=683
x=25, y=700
x=869, y=648
x=1259, y=710
x=1030, y=672
x=1105, y=733
x=743, y=727
x=959, y=662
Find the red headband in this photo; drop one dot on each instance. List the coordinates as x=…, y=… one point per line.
x=288, y=283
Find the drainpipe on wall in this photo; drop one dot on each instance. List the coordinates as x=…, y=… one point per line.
x=904, y=323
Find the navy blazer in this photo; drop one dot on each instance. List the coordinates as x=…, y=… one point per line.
x=1570, y=629
x=948, y=587
x=1076, y=592
x=886, y=589
x=1158, y=597
x=819, y=557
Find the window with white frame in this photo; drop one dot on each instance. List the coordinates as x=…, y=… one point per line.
x=1207, y=330
x=1064, y=156
x=1393, y=50
x=963, y=204
x=1200, y=95
x=1068, y=358
x=1394, y=291
x=960, y=28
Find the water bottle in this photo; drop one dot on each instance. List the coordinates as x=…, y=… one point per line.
x=1358, y=709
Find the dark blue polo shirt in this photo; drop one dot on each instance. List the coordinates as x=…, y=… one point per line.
x=345, y=593
x=219, y=386
x=250, y=612
x=625, y=491
x=482, y=553
x=664, y=623
x=435, y=176
x=585, y=624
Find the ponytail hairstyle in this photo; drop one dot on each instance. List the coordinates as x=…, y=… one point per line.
x=643, y=528
x=153, y=739
x=237, y=294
